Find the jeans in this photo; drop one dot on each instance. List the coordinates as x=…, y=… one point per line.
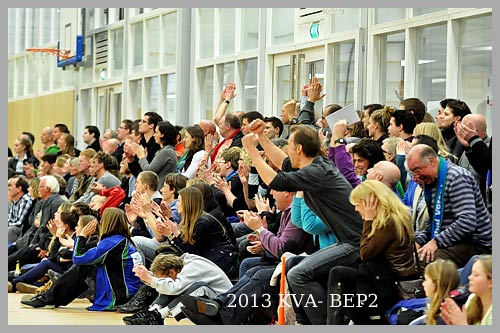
x=310, y=277
x=251, y=293
x=39, y=271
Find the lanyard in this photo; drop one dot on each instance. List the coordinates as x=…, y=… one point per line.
x=437, y=216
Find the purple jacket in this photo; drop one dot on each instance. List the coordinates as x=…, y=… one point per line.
x=342, y=160
x=295, y=239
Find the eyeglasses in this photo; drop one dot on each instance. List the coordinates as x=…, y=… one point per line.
x=144, y=121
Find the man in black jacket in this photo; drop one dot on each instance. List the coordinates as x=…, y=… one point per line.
x=326, y=192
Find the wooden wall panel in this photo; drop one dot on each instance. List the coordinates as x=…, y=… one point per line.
x=34, y=114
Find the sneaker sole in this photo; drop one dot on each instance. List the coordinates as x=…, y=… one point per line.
x=48, y=306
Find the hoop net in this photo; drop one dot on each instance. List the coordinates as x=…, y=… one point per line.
x=39, y=59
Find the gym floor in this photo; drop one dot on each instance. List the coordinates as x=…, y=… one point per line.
x=73, y=314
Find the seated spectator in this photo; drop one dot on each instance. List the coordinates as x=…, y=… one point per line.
x=461, y=227
x=115, y=284
x=194, y=144
x=19, y=209
x=441, y=277
x=172, y=276
x=386, y=253
x=23, y=148
x=479, y=307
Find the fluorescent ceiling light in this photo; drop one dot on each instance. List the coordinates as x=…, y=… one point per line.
x=420, y=62
x=249, y=87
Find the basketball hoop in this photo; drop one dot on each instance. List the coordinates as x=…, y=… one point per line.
x=40, y=58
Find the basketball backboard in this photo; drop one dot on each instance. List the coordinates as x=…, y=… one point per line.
x=70, y=36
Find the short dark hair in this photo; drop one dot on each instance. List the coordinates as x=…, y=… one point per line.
x=427, y=140
x=176, y=181
x=169, y=133
x=252, y=115
x=109, y=162
x=233, y=121
x=128, y=124
x=370, y=150
x=154, y=118
x=93, y=130
x=22, y=182
x=149, y=178
x=459, y=108
x=372, y=107
x=332, y=108
x=416, y=106
x=308, y=138
x=445, y=102
x=405, y=118
x=62, y=127
x=276, y=123
x=30, y=136
x=50, y=158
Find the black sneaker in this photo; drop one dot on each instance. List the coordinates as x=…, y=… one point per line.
x=140, y=314
x=38, y=301
x=146, y=318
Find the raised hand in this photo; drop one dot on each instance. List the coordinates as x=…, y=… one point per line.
x=131, y=215
x=290, y=108
x=89, y=229
x=243, y=172
x=250, y=141
x=402, y=147
x=314, y=91
x=262, y=203
x=221, y=184
x=257, y=126
x=252, y=220
x=370, y=205
x=305, y=88
x=52, y=226
x=228, y=92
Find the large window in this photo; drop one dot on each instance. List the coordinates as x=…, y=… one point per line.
x=206, y=84
x=151, y=89
x=137, y=47
x=169, y=84
x=475, y=54
x=423, y=11
x=343, y=86
x=249, y=79
x=117, y=51
x=136, y=97
x=283, y=25
x=431, y=63
x=394, y=60
x=227, y=28
x=169, y=38
x=153, y=46
x=206, y=32
x=249, y=28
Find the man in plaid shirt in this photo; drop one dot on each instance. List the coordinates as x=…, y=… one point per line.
x=19, y=207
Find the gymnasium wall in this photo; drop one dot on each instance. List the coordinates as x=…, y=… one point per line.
x=33, y=114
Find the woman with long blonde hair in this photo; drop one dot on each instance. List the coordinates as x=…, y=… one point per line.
x=386, y=252
x=433, y=131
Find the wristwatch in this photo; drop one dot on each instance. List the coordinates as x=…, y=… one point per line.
x=294, y=121
x=227, y=101
x=341, y=141
x=259, y=230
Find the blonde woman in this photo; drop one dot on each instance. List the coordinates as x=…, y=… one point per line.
x=479, y=308
x=433, y=131
x=386, y=251
x=378, y=124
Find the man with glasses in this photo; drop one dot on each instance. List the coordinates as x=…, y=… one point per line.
x=459, y=225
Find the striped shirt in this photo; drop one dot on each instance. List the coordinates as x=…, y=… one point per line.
x=465, y=218
x=18, y=210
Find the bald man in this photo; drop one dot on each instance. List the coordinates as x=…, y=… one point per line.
x=385, y=172
x=459, y=225
x=471, y=132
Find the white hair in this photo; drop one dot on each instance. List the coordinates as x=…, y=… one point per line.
x=51, y=183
